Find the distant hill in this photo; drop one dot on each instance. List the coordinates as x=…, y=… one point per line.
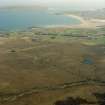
x=24, y=7
x=99, y=13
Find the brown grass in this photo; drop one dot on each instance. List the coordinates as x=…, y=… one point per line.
x=40, y=64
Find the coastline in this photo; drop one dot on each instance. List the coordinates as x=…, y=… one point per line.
x=91, y=23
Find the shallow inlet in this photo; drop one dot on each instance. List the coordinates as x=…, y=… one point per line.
x=88, y=60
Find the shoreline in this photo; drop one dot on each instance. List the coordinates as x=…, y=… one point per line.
x=91, y=23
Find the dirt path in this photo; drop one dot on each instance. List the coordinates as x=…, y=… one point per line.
x=13, y=96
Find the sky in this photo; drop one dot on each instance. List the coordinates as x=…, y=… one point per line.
x=90, y=4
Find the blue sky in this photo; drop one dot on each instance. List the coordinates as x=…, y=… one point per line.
x=59, y=3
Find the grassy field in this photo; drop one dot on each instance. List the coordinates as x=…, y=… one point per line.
x=36, y=67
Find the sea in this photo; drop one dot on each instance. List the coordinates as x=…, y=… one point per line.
x=20, y=19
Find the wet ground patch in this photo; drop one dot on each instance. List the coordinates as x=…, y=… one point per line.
x=88, y=60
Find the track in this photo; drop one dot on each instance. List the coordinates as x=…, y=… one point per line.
x=13, y=96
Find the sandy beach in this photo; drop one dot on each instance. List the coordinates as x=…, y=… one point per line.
x=91, y=23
